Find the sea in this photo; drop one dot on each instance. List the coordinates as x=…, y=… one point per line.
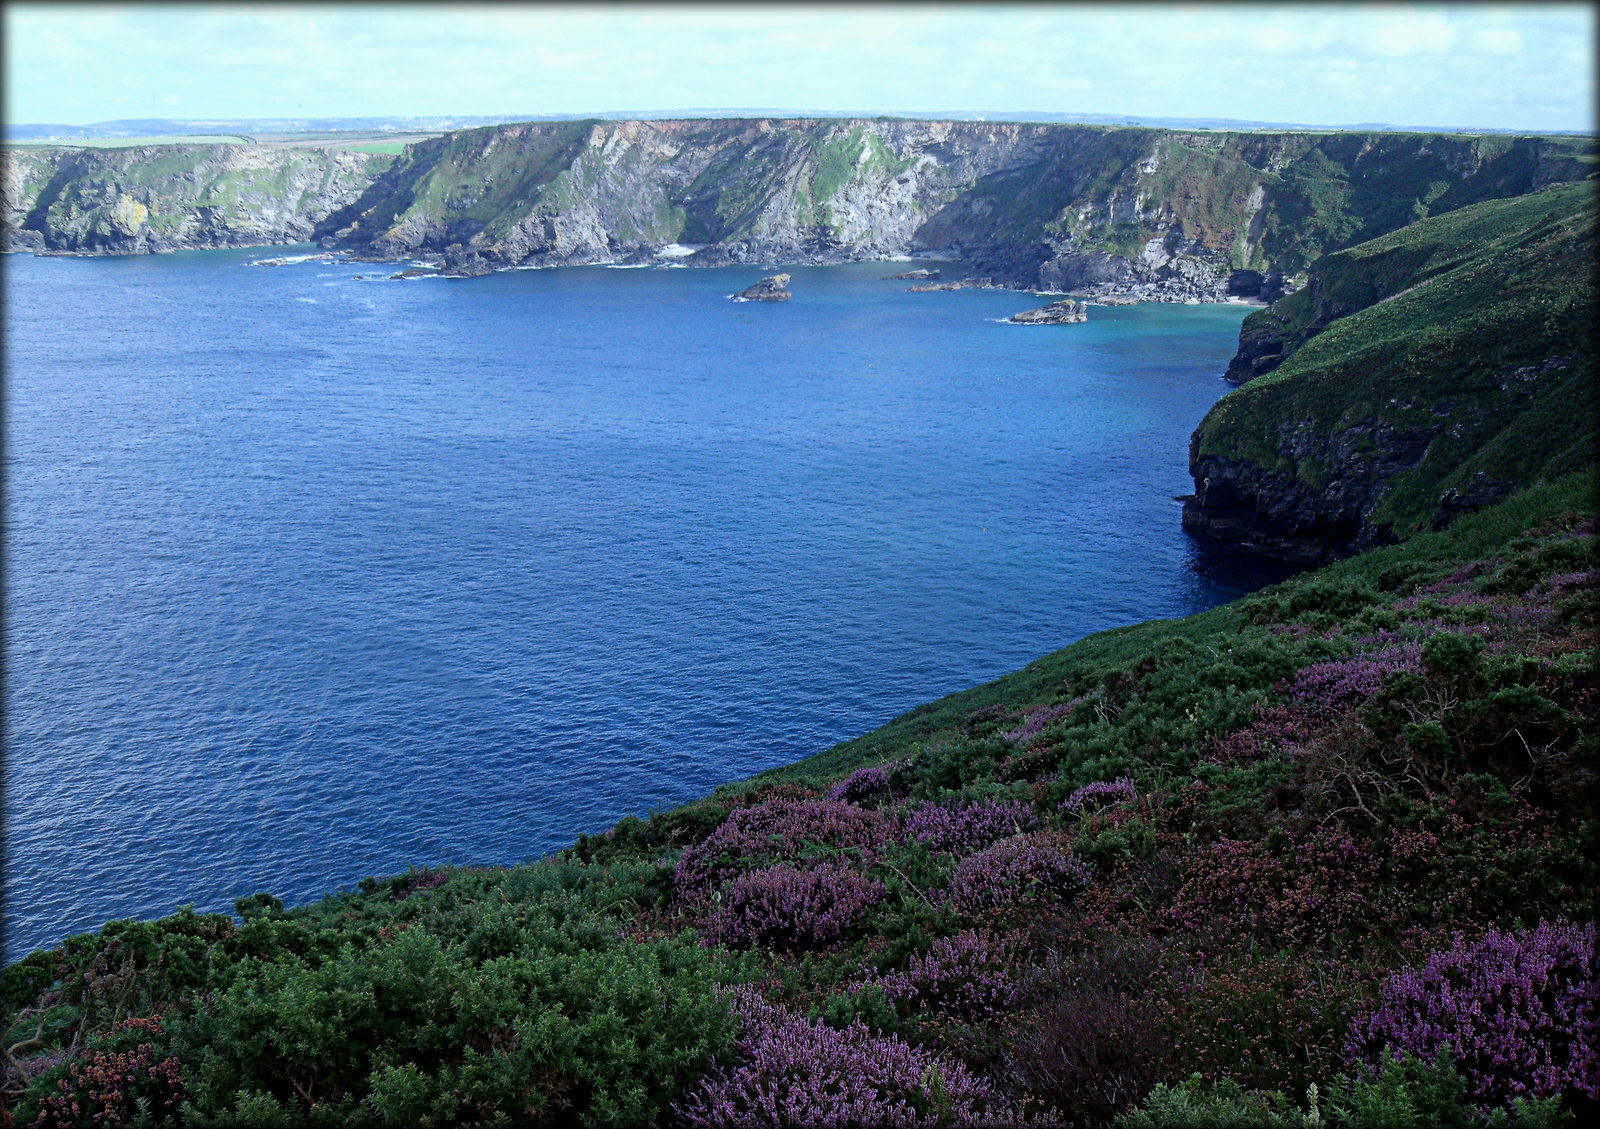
x=313, y=574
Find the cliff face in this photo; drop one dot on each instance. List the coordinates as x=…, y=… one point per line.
x=1416, y=377
x=1139, y=212
x=740, y=191
x=1142, y=213
x=162, y=198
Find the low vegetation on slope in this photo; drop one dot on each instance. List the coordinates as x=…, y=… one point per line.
x=1171, y=214
x=1326, y=855
x=167, y=197
x=1260, y=201
x=1421, y=374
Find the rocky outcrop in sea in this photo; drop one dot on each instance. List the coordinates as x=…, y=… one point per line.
x=958, y=284
x=773, y=288
x=1065, y=312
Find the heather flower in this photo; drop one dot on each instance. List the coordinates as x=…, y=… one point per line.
x=1570, y=581
x=1519, y=1014
x=1022, y=870
x=793, y=1072
x=968, y=827
x=777, y=831
x=1240, y=885
x=784, y=908
x=967, y=976
x=862, y=784
x=1341, y=684
x=114, y=1090
x=1036, y=721
x=1100, y=793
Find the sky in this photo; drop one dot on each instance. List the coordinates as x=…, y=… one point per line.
x=1524, y=67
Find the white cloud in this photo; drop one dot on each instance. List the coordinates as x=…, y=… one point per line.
x=1498, y=40
x=1519, y=67
x=1277, y=39
x=1414, y=33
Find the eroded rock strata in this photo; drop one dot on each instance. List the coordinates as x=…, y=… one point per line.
x=170, y=197
x=1135, y=213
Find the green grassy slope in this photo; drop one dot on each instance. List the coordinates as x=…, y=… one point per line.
x=464, y=183
x=1456, y=354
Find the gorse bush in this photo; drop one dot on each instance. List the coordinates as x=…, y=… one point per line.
x=414, y=1031
x=1406, y=1093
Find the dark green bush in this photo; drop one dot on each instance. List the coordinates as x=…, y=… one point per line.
x=1450, y=657
x=413, y=1032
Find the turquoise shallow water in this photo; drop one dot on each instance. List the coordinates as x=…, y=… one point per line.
x=310, y=578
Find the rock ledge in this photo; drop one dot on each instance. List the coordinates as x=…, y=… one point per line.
x=1065, y=312
x=773, y=288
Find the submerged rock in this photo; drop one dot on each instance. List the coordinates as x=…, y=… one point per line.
x=1065, y=312
x=960, y=284
x=914, y=276
x=773, y=288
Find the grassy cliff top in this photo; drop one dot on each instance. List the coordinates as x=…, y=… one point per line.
x=1473, y=329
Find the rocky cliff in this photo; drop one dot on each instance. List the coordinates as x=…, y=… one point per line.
x=162, y=198
x=1138, y=213
x=1417, y=376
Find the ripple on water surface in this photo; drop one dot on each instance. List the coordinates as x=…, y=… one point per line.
x=312, y=578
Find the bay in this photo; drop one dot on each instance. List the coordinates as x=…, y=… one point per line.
x=312, y=576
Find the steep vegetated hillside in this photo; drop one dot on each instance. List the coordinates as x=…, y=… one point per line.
x=1142, y=212
x=1339, y=833
x=1417, y=376
x=170, y=197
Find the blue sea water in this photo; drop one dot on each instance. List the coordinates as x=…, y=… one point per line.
x=310, y=577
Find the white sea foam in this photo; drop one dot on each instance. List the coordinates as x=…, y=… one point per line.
x=312, y=301
x=289, y=260
x=678, y=250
